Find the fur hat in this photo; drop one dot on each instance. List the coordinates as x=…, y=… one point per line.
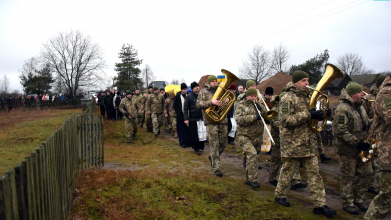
x=183, y=86
x=161, y=89
x=269, y=91
x=193, y=85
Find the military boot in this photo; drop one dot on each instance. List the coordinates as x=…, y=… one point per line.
x=134, y=137
x=351, y=210
x=298, y=186
x=253, y=185
x=274, y=182
x=128, y=141
x=218, y=173
x=373, y=190
x=324, y=210
x=324, y=158
x=362, y=206
x=244, y=162
x=283, y=202
x=176, y=134
x=156, y=135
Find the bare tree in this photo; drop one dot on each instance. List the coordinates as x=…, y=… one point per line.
x=174, y=82
x=183, y=80
x=75, y=59
x=257, y=65
x=4, y=85
x=29, y=66
x=280, y=57
x=350, y=64
x=147, y=75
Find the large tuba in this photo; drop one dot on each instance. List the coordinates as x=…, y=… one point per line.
x=215, y=114
x=332, y=72
x=367, y=156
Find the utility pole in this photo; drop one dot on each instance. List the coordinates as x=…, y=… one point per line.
x=146, y=76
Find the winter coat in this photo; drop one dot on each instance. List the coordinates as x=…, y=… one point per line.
x=204, y=101
x=191, y=112
x=169, y=107
x=178, y=106
x=155, y=103
x=108, y=100
x=101, y=100
x=129, y=105
x=351, y=125
x=246, y=119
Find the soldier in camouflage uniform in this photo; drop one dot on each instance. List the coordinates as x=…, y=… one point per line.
x=217, y=133
x=128, y=107
x=370, y=109
x=250, y=133
x=275, y=160
x=148, y=120
x=142, y=108
x=298, y=143
x=381, y=204
x=351, y=126
x=154, y=106
x=170, y=114
x=249, y=84
x=137, y=96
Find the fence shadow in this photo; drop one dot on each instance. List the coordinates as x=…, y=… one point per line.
x=41, y=186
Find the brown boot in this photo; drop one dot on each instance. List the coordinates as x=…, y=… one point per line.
x=176, y=134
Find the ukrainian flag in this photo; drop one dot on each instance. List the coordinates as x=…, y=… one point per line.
x=221, y=78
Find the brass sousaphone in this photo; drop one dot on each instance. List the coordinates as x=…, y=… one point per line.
x=332, y=72
x=215, y=114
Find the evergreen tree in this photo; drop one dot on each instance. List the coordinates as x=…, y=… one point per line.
x=128, y=70
x=314, y=67
x=38, y=82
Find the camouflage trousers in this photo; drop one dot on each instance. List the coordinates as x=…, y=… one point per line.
x=165, y=123
x=354, y=187
x=139, y=118
x=381, y=204
x=251, y=151
x=320, y=149
x=375, y=168
x=157, y=121
x=315, y=181
x=218, y=138
x=129, y=122
x=142, y=119
x=148, y=120
x=275, y=165
x=172, y=123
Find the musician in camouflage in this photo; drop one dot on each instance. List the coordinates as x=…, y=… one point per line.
x=370, y=109
x=249, y=84
x=148, y=120
x=217, y=133
x=154, y=106
x=128, y=107
x=381, y=204
x=298, y=143
x=249, y=134
x=169, y=112
x=275, y=160
x=351, y=127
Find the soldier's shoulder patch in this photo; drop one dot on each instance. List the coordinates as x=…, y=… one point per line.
x=284, y=108
x=341, y=119
x=387, y=102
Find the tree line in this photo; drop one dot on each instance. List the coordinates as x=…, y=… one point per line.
x=261, y=63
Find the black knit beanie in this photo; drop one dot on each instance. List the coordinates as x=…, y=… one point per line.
x=193, y=84
x=183, y=86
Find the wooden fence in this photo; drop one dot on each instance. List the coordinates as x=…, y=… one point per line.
x=41, y=105
x=41, y=186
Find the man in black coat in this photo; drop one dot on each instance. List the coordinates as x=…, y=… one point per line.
x=108, y=101
x=191, y=115
x=101, y=103
x=183, y=130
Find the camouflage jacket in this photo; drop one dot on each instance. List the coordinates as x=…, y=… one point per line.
x=275, y=127
x=369, y=106
x=138, y=102
x=155, y=103
x=351, y=125
x=204, y=101
x=382, y=122
x=129, y=105
x=169, y=107
x=144, y=100
x=246, y=118
x=296, y=138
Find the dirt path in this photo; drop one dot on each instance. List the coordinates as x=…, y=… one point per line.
x=232, y=166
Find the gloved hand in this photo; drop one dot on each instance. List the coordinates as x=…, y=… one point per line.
x=267, y=122
x=258, y=106
x=328, y=114
x=316, y=114
x=258, y=116
x=127, y=115
x=363, y=146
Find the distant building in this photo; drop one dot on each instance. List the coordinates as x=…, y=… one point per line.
x=335, y=87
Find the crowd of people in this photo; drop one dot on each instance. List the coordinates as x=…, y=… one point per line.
x=184, y=116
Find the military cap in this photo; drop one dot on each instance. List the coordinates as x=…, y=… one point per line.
x=249, y=83
x=380, y=80
x=128, y=92
x=251, y=91
x=155, y=88
x=211, y=78
x=353, y=88
x=172, y=93
x=299, y=75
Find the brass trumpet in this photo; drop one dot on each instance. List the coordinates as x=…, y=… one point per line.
x=368, y=100
x=367, y=156
x=270, y=114
x=264, y=123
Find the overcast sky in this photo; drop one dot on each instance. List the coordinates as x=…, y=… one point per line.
x=189, y=39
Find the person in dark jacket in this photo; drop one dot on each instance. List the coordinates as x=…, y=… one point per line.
x=191, y=115
x=230, y=116
x=101, y=103
x=116, y=102
x=108, y=100
x=183, y=130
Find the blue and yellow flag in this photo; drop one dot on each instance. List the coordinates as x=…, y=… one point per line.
x=221, y=78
